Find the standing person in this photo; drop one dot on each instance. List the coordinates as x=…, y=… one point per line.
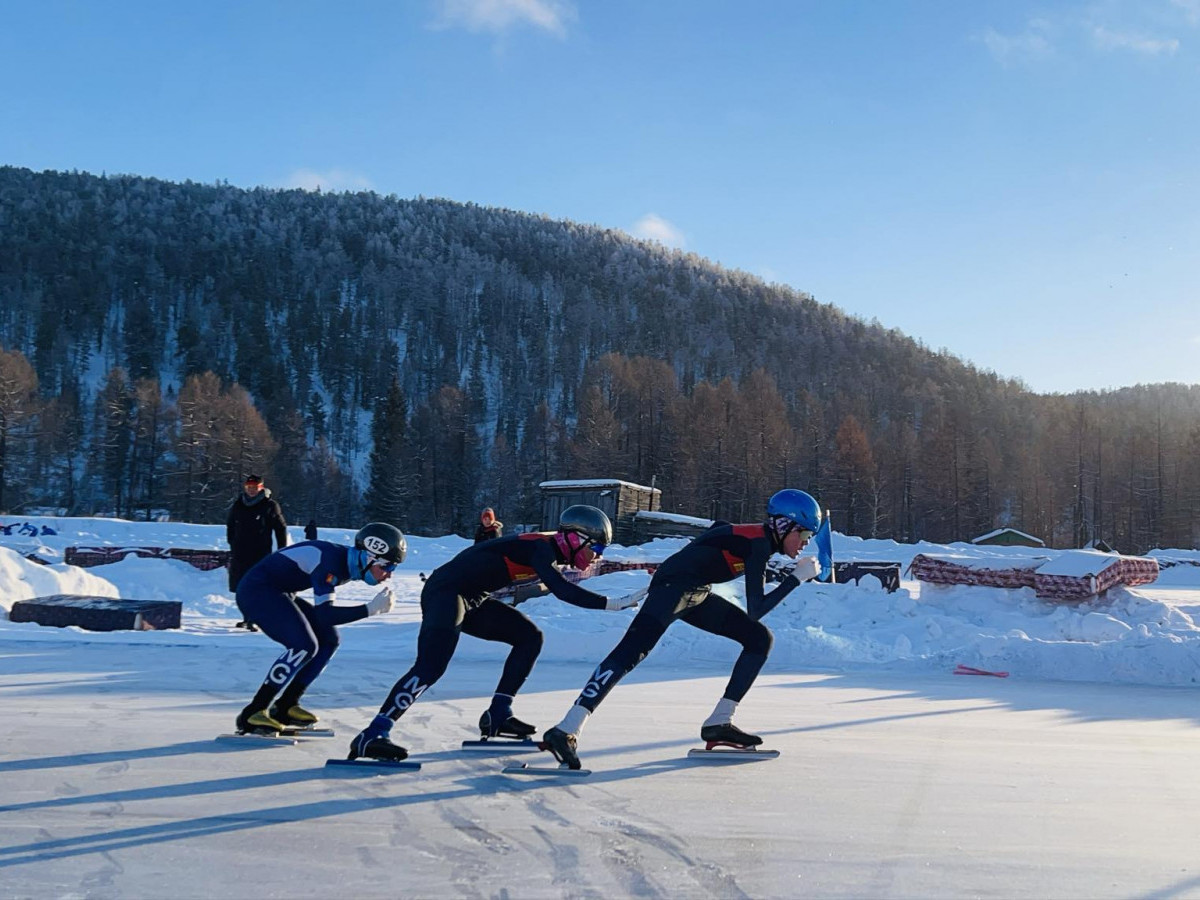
x=681, y=589
x=267, y=595
x=253, y=518
x=489, y=526
x=455, y=600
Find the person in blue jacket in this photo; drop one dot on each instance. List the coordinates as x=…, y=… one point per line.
x=682, y=589
x=455, y=600
x=266, y=595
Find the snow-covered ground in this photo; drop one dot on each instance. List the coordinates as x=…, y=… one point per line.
x=897, y=778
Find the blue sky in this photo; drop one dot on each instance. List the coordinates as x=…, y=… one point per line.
x=1015, y=182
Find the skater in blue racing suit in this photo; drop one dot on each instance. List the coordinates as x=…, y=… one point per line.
x=455, y=600
x=266, y=595
x=681, y=589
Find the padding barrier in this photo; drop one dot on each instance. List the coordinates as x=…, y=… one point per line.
x=86, y=557
x=98, y=613
x=1069, y=576
x=888, y=573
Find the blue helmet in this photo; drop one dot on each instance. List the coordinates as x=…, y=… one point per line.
x=789, y=509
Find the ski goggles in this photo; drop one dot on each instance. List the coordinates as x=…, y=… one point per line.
x=384, y=564
x=581, y=540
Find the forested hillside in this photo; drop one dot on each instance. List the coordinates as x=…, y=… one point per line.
x=416, y=359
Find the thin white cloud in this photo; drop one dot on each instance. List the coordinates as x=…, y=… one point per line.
x=1106, y=27
x=651, y=227
x=1107, y=39
x=329, y=180
x=1032, y=44
x=497, y=16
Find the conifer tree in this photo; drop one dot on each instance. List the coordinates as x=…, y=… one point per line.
x=386, y=499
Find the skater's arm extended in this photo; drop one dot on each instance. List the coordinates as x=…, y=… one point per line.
x=329, y=614
x=563, y=589
x=759, y=604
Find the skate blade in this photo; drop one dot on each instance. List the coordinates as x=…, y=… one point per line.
x=309, y=732
x=251, y=738
x=555, y=771
x=501, y=745
x=735, y=754
x=379, y=765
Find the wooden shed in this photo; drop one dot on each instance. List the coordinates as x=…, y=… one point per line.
x=620, y=501
x=1008, y=537
x=648, y=525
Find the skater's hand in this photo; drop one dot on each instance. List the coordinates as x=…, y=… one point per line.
x=381, y=602
x=806, y=569
x=627, y=601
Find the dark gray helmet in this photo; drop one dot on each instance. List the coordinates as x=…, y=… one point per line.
x=592, y=523
x=382, y=541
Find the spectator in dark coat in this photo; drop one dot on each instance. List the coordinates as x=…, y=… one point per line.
x=253, y=518
x=489, y=526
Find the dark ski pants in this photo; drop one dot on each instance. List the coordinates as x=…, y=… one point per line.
x=308, y=634
x=444, y=616
x=699, y=608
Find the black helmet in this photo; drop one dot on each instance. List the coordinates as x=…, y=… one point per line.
x=382, y=541
x=592, y=523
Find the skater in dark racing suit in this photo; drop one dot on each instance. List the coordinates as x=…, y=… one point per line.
x=455, y=600
x=266, y=595
x=681, y=589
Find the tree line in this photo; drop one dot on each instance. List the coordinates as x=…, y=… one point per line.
x=716, y=452
x=416, y=359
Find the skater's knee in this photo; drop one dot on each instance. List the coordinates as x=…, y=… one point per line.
x=429, y=671
x=307, y=644
x=533, y=640
x=759, y=640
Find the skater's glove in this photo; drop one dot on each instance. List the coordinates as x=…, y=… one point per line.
x=380, y=603
x=627, y=601
x=806, y=569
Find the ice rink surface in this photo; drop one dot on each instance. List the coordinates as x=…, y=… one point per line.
x=890, y=784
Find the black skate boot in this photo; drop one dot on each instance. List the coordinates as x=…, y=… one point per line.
x=562, y=745
x=376, y=747
x=250, y=721
x=295, y=716
x=728, y=735
x=512, y=727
